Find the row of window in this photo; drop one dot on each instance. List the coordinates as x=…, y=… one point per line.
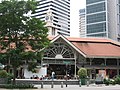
x=94, y=28
x=63, y=4
x=96, y=18
x=61, y=12
x=95, y=8
x=93, y=1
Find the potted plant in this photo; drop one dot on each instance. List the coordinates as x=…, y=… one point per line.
x=82, y=73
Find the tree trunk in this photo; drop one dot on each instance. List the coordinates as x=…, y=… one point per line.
x=14, y=77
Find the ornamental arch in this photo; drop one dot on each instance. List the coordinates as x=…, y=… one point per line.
x=60, y=57
x=59, y=49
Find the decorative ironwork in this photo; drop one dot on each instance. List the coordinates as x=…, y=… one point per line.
x=59, y=50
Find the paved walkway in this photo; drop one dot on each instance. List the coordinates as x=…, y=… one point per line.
x=73, y=87
x=76, y=87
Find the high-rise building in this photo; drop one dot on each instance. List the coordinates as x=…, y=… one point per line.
x=102, y=18
x=56, y=14
x=82, y=24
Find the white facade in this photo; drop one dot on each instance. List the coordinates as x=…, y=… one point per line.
x=82, y=24
x=114, y=21
x=41, y=72
x=59, y=19
x=102, y=18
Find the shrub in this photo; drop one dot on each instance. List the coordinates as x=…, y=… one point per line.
x=106, y=81
x=3, y=74
x=117, y=80
x=109, y=81
x=18, y=86
x=10, y=76
x=82, y=72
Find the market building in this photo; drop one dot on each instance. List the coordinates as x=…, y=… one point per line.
x=66, y=55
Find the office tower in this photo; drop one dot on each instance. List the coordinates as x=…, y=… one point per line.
x=56, y=14
x=102, y=18
x=82, y=24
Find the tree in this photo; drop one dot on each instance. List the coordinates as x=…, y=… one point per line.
x=82, y=73
x=22, y=37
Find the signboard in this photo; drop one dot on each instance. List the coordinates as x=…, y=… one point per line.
x=66, y=62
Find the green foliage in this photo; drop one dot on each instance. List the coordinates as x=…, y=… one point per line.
x=117, y=80
x=82, y=73
x=3, y=74
x=32, y=66
x=10, y=76
x=109, y=81
x=106, y=81
x=21, y=33
x=17, y=86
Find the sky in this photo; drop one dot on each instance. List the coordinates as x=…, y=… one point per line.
x=74, y=16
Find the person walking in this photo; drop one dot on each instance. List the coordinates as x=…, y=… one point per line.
x=53, y=75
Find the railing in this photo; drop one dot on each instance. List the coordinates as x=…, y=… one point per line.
x=100, y=66
x=47, y=82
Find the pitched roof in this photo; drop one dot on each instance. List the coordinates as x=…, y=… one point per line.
x=96, y=47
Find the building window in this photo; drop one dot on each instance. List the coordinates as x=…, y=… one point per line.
x=95, y=8
x=93, y=1
x=95, y=28
x=96, y=18
x=53, y=31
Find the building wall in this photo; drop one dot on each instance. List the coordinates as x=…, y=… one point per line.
x=96, y=18
x=82, y=24
x=102, y=18
x=60, y=10
x=42, y=72
x=113, y=19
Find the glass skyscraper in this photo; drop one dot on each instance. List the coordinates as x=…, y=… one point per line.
x=103, y=19
x=96, y=18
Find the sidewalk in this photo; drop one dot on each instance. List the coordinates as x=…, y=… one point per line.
x=76, y=87
x=73, y=87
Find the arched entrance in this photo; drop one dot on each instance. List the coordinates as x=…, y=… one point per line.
x=60, y=58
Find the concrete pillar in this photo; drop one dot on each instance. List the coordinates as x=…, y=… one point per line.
x=41, y=84
x=87, y=83
x=80, y=83
x=117, y=62
x=52, y=84
x=75, y=64
x=117, y=71
x=90, y=61
x=90, y=73
x=105, y=62
x=61, y=84
x=18, y=73
x=66, y=83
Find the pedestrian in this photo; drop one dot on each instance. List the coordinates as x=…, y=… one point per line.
x=53, y=75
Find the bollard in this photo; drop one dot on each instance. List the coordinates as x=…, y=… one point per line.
x=87, y=83
x=41, y=84
x=80, y=83
x=52, y=85
x=66, y=83
x=61, y=84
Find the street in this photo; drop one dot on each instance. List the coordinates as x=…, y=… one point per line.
x=76, y=87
